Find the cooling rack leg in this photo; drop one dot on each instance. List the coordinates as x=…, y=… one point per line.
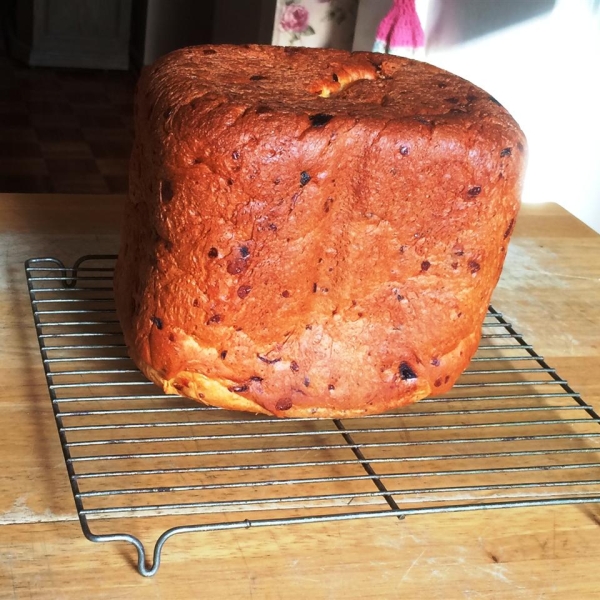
x=142, y=565
x=143, y=568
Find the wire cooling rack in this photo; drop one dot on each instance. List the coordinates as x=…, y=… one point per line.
x=511, y=433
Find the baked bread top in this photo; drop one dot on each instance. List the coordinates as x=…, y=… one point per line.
x=295, y=81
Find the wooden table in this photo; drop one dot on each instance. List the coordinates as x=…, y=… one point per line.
x=550, y=289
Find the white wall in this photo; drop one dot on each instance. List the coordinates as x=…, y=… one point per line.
x=541, y=60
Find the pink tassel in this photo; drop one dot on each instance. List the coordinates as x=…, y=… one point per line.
x=400, y=28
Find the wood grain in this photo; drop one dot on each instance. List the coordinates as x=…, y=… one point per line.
x=550, y=289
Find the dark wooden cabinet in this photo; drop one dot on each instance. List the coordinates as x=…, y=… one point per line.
x=72, y=33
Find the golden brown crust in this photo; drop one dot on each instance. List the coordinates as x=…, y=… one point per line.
x=312, y=232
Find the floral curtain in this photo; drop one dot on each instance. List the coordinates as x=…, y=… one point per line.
x=315, y=23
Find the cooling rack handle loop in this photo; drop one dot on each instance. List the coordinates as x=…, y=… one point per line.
x=32, y=263
x=70, y=281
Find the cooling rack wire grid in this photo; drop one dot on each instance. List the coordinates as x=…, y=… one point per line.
x=511, y=433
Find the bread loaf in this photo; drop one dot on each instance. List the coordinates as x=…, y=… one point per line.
x=312, y=232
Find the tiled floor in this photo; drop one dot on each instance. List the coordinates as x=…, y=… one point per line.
x=64, y=130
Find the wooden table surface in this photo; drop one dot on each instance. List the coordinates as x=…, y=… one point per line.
x=550, y=289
